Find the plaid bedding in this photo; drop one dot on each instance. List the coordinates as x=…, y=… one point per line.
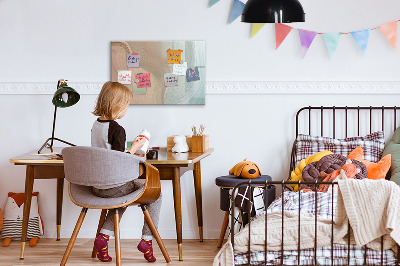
x=372, y=145
x=323, y=207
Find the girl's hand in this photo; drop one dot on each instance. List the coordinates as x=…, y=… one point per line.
x=143, y=155
x=137, y=144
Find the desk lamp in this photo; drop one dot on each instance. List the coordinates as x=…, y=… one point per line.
x=272, y=11
x=64, y=96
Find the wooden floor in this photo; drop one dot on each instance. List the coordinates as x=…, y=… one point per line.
x=50, y=252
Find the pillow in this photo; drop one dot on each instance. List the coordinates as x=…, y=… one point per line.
x=296, y=174
x=393, y=148
x=375, y=170
x=372, y=144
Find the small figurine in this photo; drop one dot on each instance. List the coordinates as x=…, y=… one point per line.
x=180, y=144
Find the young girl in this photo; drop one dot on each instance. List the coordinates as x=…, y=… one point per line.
x=112, y=104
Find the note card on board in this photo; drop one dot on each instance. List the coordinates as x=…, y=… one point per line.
x=125, y=77
x=180, y=69
x=133, y=60
x=143, y=80
x=170, y=80
x=174, y=56
x=192, y=74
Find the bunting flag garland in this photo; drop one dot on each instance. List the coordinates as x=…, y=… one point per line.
x=256, y=27
x=213, y=2
x=237, y=9
x=389, y=30
x=281, y=31
x=332, y=41
x=306, y=39
x=361, y=37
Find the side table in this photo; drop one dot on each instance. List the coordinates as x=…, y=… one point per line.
x=226, y=183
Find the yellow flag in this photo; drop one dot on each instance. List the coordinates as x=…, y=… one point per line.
x=256, y=27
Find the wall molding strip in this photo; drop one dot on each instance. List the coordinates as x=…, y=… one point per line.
x=231, y=87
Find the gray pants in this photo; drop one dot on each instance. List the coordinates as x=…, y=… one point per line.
x=154, y=208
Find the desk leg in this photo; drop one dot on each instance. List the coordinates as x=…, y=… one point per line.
x=60, y=190
x=27, y=206
x=199, y=204
x=176, y=182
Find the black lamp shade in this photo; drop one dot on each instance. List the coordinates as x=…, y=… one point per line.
x=273, y=11
x=65, y=96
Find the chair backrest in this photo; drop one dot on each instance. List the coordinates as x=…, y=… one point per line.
x=91, y=166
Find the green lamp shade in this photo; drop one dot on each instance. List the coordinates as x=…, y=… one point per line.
x=65, y=96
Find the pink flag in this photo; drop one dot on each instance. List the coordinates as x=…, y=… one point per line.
x=389, y=30
x=281, y=31
x=306, y=39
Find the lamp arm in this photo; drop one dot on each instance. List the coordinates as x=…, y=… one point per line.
x=54, y=126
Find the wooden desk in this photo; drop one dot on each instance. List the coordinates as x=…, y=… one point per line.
x=171, y=167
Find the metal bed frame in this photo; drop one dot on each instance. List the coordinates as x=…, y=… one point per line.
x=283, y=184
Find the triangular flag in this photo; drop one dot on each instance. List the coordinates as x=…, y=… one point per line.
x=390, y=32
x=361, y=37
x=237, y=9
x=332, y=41
x=213, y=2
x=281, y=31
x=306, y=39
x=256, y=27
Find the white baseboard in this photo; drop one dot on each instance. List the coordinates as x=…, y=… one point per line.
x=231, y=87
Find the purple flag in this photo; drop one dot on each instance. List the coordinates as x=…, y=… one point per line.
x=306, y=39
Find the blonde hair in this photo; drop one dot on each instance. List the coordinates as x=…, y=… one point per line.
x=112, y=99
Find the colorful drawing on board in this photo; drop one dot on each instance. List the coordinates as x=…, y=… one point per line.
x=180, y=69
x=133, y=60
x=125, y=77
x=192, y=74
x=174, y=56
x=153, y=66
x=170, y=80
x=143, y=80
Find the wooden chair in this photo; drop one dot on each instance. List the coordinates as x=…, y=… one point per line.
x=85, y=167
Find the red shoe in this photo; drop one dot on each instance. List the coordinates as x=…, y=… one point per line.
x=101, y=245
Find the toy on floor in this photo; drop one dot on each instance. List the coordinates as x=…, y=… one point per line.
x=13, y=215
x=245, y=169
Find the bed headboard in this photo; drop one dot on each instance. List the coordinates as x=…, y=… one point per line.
x=344, y=121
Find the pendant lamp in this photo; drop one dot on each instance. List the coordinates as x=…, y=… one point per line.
x=272, y=11
x=64, y=96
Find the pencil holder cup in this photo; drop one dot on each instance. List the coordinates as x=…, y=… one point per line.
x=200, y=143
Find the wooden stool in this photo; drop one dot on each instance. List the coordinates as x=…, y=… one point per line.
x=226, y=183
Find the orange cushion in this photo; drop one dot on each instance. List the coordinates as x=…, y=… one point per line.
x=375, y=170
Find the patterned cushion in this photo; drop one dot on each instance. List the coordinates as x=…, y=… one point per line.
x=372, y=144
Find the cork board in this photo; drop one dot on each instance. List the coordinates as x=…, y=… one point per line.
x=170, y=72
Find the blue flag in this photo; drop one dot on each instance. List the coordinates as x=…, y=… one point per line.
x=332, y=41
x=361, y=38
x=237, y=9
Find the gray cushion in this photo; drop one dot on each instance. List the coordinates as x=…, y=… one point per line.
x=393, y=148
x=99, y=167
x=83, y=195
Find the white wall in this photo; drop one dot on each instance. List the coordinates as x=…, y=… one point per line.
x=43, y=41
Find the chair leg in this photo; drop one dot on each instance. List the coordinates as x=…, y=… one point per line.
x=117, y=239
x=154, y=230
x=101, y=222
x=223, y=229
x=73, y=237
